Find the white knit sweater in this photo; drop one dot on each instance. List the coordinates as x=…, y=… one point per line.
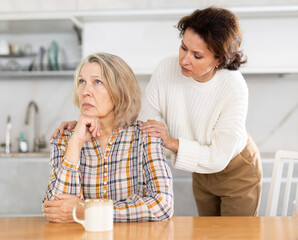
x=207, y=118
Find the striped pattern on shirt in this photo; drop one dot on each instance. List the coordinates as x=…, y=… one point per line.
x=132, y=171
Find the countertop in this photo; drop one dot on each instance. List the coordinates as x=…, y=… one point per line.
x=25, y=155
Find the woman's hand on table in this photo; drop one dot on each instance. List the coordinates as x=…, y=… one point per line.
x=69, y=125
x=61, y=210
x=158, y=129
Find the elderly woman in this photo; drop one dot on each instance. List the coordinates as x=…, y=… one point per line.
x=107, y=155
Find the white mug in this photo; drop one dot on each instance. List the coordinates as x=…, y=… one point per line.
x=98, y=215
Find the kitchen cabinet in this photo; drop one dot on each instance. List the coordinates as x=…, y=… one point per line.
x=36, y=5
x=24, y=180
x=23, y=183
x=147, y=36
x=31, y=38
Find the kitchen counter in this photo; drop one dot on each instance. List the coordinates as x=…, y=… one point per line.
x=26, y=155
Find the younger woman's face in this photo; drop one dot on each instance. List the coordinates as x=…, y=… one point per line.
x=195, y=59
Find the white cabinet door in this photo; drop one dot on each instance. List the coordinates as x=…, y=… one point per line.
x=23, y=183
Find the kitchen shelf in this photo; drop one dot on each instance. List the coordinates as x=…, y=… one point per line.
x=25, y=155
x=139, y=74
x=44, y=74
x=164, y=14
x=244, y=70
x=266, y=11
x=48, y=74
x=65, y=21
x=33, y=22
x=17, y=55
x=269, y=71
x=74, y=17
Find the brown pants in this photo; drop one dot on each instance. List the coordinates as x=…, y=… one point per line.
x=235, y=191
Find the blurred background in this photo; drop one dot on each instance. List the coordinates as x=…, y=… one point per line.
x=41, y=41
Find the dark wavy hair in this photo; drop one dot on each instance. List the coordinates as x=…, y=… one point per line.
x=220, y=30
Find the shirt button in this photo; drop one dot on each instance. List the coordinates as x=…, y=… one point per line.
x=105, y=174
x=106, y=166
x=104, y=191
x=105, y=183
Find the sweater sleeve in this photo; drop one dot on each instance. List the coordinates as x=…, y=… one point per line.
x=227, y=135
x=64, y=176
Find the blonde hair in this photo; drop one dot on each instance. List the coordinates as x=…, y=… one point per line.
x=121, y=84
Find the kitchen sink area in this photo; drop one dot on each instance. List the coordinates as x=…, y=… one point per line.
x=25, y=155
x=23, y=149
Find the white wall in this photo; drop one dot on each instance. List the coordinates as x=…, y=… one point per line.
x=57, y=5
x=270, y=42
x=142, y=43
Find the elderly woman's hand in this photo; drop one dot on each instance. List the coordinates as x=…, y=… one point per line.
x=158, y=129
x=86, y=128
x=61, y=210
x=69, y=125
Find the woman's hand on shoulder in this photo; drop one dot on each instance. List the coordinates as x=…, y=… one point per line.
x=69, y=125
x=158, y=129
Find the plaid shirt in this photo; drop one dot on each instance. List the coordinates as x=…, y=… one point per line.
x=132, y=171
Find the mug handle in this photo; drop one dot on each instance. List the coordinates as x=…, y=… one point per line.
x=74, y=214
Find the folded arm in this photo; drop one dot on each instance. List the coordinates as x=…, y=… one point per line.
x=157, y=202
x=64, y=176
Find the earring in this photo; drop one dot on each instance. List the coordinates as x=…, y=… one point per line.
x=216, y=66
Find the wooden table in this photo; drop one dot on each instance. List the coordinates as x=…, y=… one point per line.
x=177, y=228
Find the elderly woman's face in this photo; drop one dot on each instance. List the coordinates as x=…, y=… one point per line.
x=195, y=59
x=94, y=98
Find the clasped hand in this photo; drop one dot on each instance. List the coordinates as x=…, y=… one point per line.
x=86, y=128
x=60, y=210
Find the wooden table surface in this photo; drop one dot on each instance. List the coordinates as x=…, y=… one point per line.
x=12, y=228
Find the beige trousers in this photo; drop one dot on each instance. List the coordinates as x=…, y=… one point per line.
x=235, y=191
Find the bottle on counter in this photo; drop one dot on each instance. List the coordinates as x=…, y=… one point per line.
x=23, y=144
